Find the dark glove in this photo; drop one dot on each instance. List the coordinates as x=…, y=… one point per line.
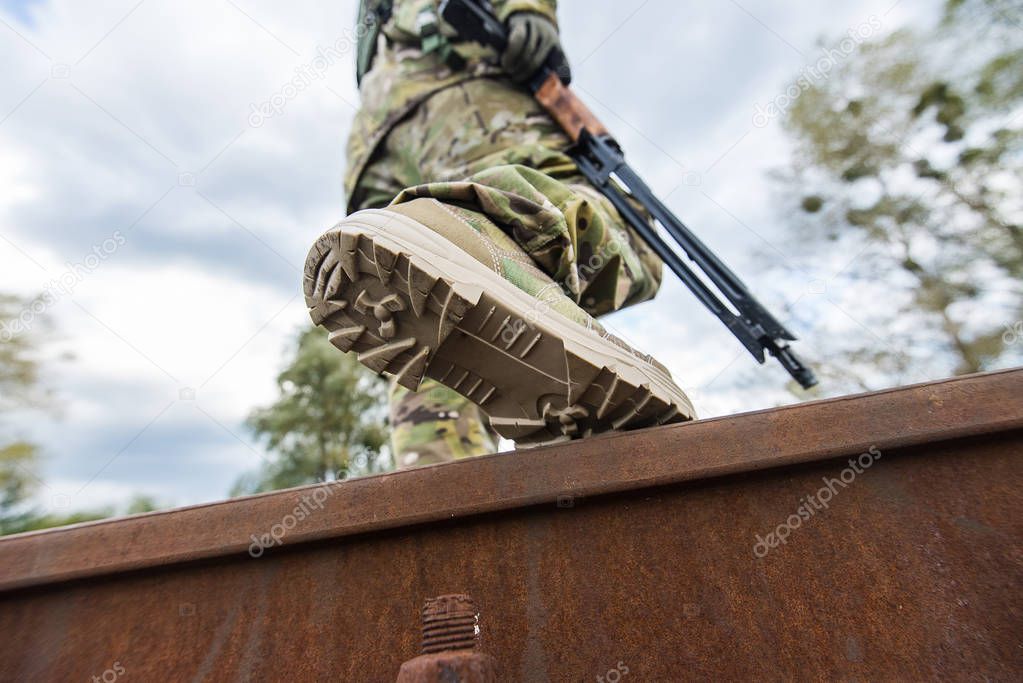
x=531, y=38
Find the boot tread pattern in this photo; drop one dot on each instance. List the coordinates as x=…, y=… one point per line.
x=402, y=317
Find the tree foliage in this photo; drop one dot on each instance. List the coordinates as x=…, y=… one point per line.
x=907, y=176
x=329, y=421
x=21, y=390
x=19, y=362
x=34, y=521
x=19, y=387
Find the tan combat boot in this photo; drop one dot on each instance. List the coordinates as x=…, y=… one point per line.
x=415, y=291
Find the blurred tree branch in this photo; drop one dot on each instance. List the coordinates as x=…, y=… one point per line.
x=909, y=155
x=329, y=421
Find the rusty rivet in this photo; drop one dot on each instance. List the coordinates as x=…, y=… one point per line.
x=450, y=622
x=450, y=640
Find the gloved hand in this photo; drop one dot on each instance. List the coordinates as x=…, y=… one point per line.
x=531, y=38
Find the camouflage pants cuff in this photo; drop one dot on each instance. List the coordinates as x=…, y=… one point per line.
x=436, y=425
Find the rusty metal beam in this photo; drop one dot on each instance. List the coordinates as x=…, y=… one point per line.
x=628, y=558
x=926, y=413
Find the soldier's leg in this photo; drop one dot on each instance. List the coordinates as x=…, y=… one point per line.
x=435, y=424
x=500, y=194
x=510, y=150
x=564, y=229
x=431, y=289
x=489, y=148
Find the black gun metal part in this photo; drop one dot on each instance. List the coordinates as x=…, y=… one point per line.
x=602, y=161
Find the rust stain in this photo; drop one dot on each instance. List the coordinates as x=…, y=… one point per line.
x=915, y=571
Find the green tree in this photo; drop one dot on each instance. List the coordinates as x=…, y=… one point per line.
x=329, y=421
x=18, y=481
x=21, y=323
x=19, y=356
x=19, y=389
x=907, y=178
x=34, y=521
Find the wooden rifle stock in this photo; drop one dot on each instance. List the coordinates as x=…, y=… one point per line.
x=567, y=110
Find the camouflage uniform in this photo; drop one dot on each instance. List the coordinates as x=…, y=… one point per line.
x=485, y=149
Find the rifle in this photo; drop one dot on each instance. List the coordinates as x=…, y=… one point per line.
x=602, y=162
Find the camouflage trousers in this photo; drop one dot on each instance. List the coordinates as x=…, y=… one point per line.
x=488, y=152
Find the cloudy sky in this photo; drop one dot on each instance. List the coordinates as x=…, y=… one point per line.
x=168, y=225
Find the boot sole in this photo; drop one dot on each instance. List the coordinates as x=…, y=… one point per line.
x=412, y=304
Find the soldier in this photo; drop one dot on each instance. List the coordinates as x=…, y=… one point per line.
x=475, y=254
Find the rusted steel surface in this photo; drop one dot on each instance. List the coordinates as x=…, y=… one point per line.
x=968, y=406
x=630, y=557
